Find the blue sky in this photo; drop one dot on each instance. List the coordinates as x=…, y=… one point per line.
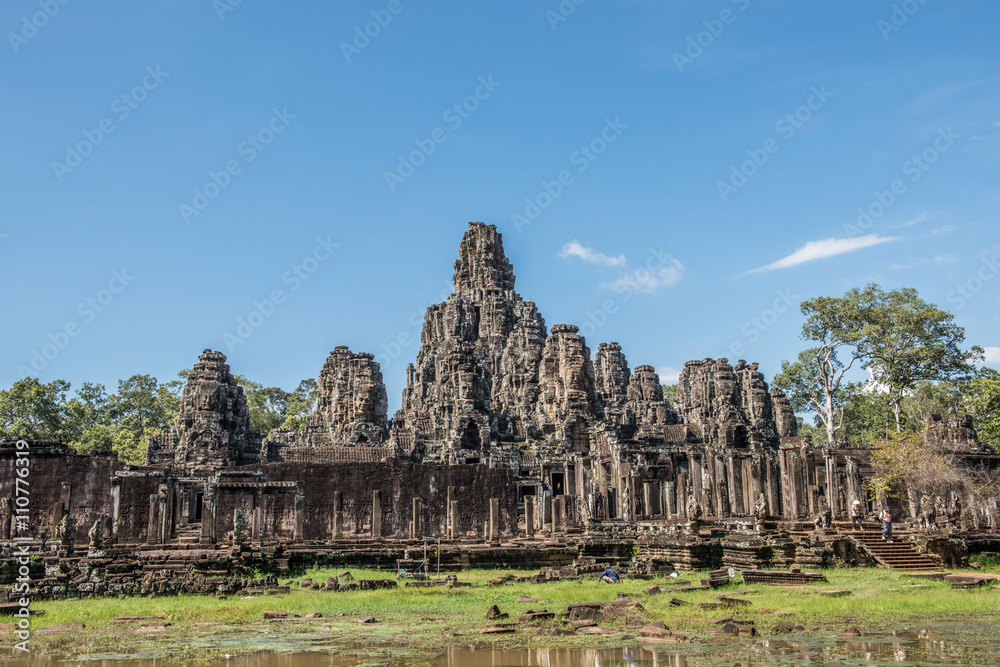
x=675, y=176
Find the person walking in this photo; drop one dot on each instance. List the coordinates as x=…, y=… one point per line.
x=886, y=518
x=856, y=516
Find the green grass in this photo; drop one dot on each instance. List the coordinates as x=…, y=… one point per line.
x=427, y=618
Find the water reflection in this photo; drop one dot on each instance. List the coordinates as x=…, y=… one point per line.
x=953, y=643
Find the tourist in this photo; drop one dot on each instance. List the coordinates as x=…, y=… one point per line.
x=856, y=515
x=989, y=518
x=609, y=575
x=886, y=518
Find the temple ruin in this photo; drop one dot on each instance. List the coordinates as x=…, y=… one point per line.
x=516, y=444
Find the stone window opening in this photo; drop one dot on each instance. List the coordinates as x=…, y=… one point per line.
x=470, y=437
x=558, y=484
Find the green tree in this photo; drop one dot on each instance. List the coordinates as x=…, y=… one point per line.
x=867, y=416
x=273, y=407
x=136, y=411
x=815, y=382
x=88, y=424
x=670, y=393
x=931, y=398
x=815, y=385
x=33, y=410
x=300, y=405
x=982, y=401
x=906, y=341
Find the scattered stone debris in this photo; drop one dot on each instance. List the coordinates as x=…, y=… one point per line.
x=494, y=613
x=732, y=602
x=367, y=619
x=542, y=615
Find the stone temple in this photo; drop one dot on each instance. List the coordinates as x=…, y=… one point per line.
x=516, y=444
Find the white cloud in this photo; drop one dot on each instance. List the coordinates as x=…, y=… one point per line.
x=910, y=223
x=814, y=250
x=575, y=249
x=940, y=260
x=947, y=229
x=992, y=355
x=648, y=281
x=668, y=374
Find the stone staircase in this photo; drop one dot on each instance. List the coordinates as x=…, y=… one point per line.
x=190, y=535
x=900, y=555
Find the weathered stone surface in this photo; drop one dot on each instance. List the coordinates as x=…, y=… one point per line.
x=646, y=405
x=213, y=427
x=351, y=402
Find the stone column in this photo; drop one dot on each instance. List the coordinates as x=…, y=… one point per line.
x=787, y=511
x=494, y=519
x=529, y=516
x=208, y=517
x=300, y=517
x=669, y=499
x=455, y=525
x=116, y=506
x=164, y=515
x=376, y=515
x=257, y=516
x=681, y=491
x=338, y=514
x=6, y=515
x=449, y=524
x=736, y=496
x=415, y=527
x=153, y=524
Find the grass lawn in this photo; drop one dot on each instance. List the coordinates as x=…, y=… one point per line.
x=429, y=618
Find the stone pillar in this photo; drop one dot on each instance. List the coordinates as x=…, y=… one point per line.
x=455, y=525
x=376, y=515
x=153, y=523
x=736, y=496
x=338, y=514
x=450, y=528
x=208, y=518
x=257, y=516
x=529, y=516
x=416, y=531
x=6, y=516
x=494, y=535
x=116, y=506
x=787, y=511
x=681, y=491
x=694, y=468
x=300, y=517
x=164, y=514
x=669, y=499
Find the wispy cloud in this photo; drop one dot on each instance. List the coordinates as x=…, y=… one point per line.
x=910, y=223
x=947, y=229
x=940, y=260
x=992, y=355
x=576, y=249
x=648, y=281
x=814, y=250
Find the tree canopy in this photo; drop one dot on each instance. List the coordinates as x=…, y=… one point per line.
x=911, y=348
x=94, y=421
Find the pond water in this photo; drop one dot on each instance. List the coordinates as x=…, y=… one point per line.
x=947, y=644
